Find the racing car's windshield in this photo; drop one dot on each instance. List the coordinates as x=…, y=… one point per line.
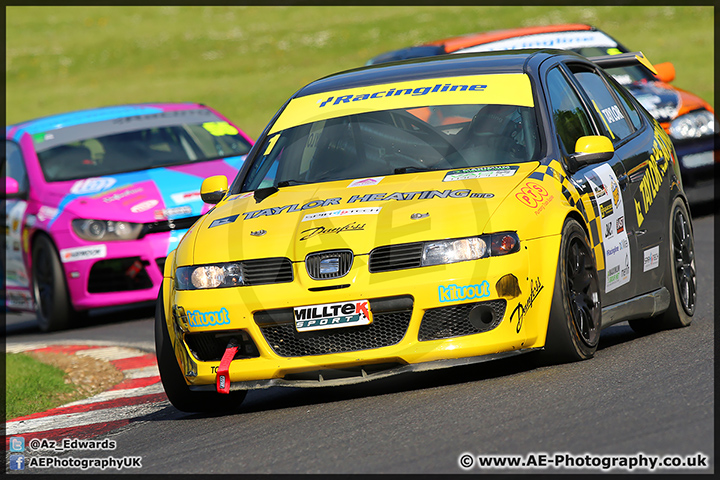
x=136, y=143
x=396, y=141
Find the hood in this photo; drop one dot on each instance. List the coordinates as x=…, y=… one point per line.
x=665, y=102
x=354, y=214
x=144, y=196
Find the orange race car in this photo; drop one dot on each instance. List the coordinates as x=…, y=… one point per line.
x=687, y=118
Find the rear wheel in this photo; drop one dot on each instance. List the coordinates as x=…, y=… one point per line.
x=54, y=310
x=574, y=324
x=173, y=380
x=681, y=279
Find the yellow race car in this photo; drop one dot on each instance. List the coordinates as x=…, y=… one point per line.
x=425, y=214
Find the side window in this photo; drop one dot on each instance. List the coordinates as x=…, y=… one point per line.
x=624, y=96
x=13, y=166
x=571, y=119
x=613, y=115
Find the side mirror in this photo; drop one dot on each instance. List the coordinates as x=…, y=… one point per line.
x=665, y=71
x=592, y=149
x=213, y=189
x=11, y=187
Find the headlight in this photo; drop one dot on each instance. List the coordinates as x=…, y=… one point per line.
x=695, y=124
x=464, y=249
x=209, y=276
x=105, y=230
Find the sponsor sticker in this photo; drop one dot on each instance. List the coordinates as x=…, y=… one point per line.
x=609, y=231
x=620, y=224
x=651, y=258
x=19, y=299
x=364, y=182
x=92, y=185
x=518, y=314
x=120, y=195
x=615, y=242
x=332, y=315
x=223, y=221
x=454, y=293
x=606, y=208
x=197, y=318
x=561, y=40
x=342, y=213
x=481, y=172
x=500, y=89
x=185, y=197
x=172, y=212
x=46, y=213
x=350, y=227
x=534, y=196
x=83, y=253
x=143, y=206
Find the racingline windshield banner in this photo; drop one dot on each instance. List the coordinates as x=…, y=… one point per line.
x=500, y=89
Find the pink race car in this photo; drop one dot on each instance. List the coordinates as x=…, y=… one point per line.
x=96, y=199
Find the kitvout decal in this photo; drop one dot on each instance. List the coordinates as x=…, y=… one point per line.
x=370, y=197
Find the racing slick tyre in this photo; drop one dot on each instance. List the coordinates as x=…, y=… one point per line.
x=681, y=280
x=53, y=307
x=574, y=325
x=173, y=381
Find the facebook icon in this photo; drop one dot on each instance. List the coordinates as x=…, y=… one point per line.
x=17, y=462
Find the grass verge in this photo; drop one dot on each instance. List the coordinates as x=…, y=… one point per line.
x=32, y=386
x=247, y=60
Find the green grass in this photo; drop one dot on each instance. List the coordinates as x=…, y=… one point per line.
x=32, y=386
x=246, y=61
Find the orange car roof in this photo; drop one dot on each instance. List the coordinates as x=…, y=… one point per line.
x=457, y=43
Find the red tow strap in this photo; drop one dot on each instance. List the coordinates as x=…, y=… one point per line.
x=222, y=378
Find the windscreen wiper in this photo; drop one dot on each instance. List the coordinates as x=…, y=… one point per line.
x=287, y=183
x=412, y=169
x=262, y=193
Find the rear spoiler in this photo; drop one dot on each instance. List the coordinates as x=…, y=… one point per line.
x=623, y=60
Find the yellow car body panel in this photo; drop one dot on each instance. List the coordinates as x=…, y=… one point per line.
x=535, y=209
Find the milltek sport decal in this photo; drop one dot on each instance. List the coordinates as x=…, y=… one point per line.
x=332, y=315
x=502, y=89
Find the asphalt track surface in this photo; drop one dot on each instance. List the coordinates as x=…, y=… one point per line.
x=640, y=396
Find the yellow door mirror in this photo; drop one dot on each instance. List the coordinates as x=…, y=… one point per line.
x=592, y=149
x=213, y=189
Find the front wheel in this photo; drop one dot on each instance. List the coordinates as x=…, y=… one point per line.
x=680, y=279
x=173, y=380
x=54, y=309
x=574, y=325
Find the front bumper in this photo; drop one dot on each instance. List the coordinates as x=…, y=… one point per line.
x=274, y=353
x=699, y=160
x=130, y=272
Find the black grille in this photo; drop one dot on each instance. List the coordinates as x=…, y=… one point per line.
x=210, y=346
x=161, y=263
x=458, y=320
x=167, y=225
x=396, y=257
x=391, y=317
x=344, y=262
x=267, y=270
x=119, y=275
